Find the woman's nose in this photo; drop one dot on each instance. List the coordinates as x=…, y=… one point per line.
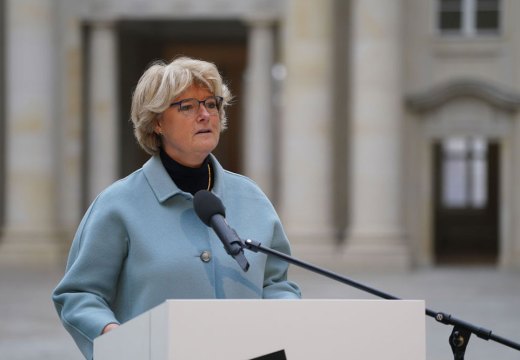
x=203, y=112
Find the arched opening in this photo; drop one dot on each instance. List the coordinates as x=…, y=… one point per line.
x=462, y=198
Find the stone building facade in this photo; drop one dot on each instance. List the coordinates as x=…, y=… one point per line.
x=386, y=133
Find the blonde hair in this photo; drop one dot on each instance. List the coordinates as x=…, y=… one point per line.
x=160, y=84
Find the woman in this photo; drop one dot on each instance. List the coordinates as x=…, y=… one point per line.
x=140, y=242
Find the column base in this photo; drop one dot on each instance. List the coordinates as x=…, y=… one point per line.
x=318, y=247
x=373, y=252
x=377, y=252
x=31, y=247
x=509, y=261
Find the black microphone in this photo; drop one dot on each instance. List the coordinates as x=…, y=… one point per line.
x=211, y=211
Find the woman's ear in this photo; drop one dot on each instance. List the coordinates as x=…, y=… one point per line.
x=158, y=128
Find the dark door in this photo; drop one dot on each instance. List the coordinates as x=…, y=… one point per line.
x=466, y=200
x=221, y=42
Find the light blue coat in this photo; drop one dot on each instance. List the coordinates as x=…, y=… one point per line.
x=140, y=243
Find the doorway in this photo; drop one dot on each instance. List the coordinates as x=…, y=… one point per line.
x=466, y=200
x=221, y=42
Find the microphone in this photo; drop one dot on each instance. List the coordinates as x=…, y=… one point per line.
x=211, y=211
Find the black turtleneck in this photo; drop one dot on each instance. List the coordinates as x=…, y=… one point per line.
x=186, y=178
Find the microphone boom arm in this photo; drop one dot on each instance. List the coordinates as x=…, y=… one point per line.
x=461, y=332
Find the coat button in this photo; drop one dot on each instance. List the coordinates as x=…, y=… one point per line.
x=205, y=256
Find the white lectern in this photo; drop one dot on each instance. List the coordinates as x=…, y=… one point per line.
x=247, y=329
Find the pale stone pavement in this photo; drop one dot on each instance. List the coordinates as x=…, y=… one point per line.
x=30, y=329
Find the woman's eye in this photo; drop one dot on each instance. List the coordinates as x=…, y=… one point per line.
x=186, y=107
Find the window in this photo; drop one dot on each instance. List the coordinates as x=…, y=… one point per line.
x=469, y=17
x=464, y=173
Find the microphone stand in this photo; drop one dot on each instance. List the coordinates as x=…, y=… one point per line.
x=460, y=334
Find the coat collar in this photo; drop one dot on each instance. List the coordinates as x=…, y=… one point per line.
x=163, y=186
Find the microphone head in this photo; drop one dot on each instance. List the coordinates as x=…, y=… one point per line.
x=206, y=205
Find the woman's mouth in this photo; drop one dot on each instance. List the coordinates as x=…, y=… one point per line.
x=203, y=131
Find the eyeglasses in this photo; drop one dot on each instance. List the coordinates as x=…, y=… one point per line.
x=190, y=107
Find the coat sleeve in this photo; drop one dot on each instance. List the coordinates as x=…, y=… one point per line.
x=82, y=298
x=276, y=285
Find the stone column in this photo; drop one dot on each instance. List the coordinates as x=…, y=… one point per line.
x=69, y=80
x=2, y=114
x=30, y=234
x=103, y=135
x=306, y=129
x=258, y=129
x=376, y=236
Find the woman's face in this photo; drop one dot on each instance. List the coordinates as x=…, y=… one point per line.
x=188, y=139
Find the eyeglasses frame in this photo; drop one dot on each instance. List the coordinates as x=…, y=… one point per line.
x=219, y=99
